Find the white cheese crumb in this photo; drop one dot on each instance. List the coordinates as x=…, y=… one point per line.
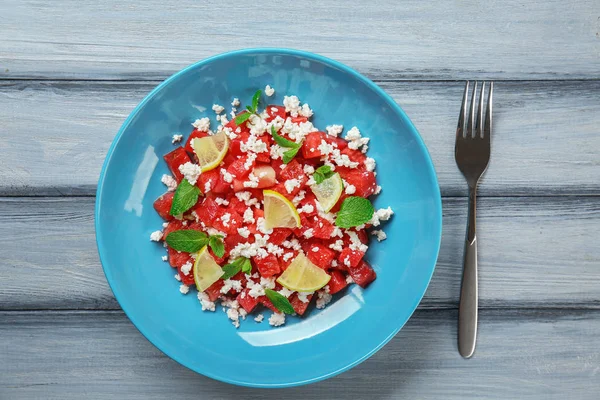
x=248, y=216
x=323, y=298
x=303, y=297
x=186, y=268
x=207, y=305
x=243, y=196
x=308, y=233
x=184, y=289
x=383, y=214
x=170, y=182
x=291, y=184
x=165, y=258
x=315, y=249
x=350, y=189
x=349, y=280
x=176, y=138
x=227, y=177
x=305, y=111
x=269, y=91
x=287, y=256
x=285, y=292
x=177, y=277
x=370, y=164
x=207, y=186
x=309, y=169
x=259, y=318
x=377, y=189
x=249, y=161
x=334, y=130
x=257, y=126
x=307, y=208
x=353, y=134
x=235, y=102
x=218, y=109
x=337, y=246
x=225, y=219
x=244, y=232
x=277, y=319
x=325, y=148
x=202, y=124
x=292, y=105
x=229, y=284
x=379, y=234
x=299, y=197
x=221, y=201
x=190, y=171
x=355, y=243
x=252, y=181
x=260, y=225
x=156, y=236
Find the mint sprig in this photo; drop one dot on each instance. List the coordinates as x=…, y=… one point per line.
x=322, y=173
x=283, y=142
x=186, y=195
x=256, y=99
x=280, y=301
x=240, y=264
x=354, y=211
x=216, y=244
x=187, y=240
x=240, y=119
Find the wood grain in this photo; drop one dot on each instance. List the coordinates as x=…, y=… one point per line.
x=545, y=141
x=101, y=355
x=513, y=39
x=534, y=252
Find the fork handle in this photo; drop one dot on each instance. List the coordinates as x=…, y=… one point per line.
x=467, y=310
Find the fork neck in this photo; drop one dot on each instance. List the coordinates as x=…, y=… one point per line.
x=472, y=213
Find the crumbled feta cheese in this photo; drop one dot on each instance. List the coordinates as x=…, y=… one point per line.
x=184, y=289
x=311, y=181
x=186, y=268
x=274, y=249
x=379, y=234
x=223, y=120
x=156, y=236
x=252, y=181
x=235, y=102
x=291, y=184
x=383, y=214
x=276, y=153
x=365, y=148
x=190, y=171
x=299, y=197
x=213, y=232
x=303, y=297
x=350, y=189
x=292, y=105
x=229, y=284
x=307, y=208
x=309, y=169
x=276, y=123
x=227, y=177
x=353, y=134
x=269, y=91
x=176, y=138
x=253, y=145
x=207, y=186
x=292, y=244
x=165, y=224
x=305, y=111
x=349, y=280
x=165, y=258
x=315, y=249
x=244, y=232
x=248, y=216
x=250, y=161
x=355, y=243
x=259, y=318
x=277, y=319
x=268, y=283
x=218, y=109
x=308, y=233
x=323, y=298
x=287, y=256
x=377, y=189
x=334, y=130
x=169, y=182
x=177, y=277
x=285, y=292
x=325, y=148
x=370, y=164
x=260, y=225
x=202, y=124
x=243, y=196
x=347, y=261
x=342, y=159
x=225, y=218
x=207, y=305
x=337, y=246
x=256, y=290
x=257, y=126
x=221, y=201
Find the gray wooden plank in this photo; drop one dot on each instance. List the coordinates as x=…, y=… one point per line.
x=56, y=355
x=546, y=134
x=410, y=39
x=534, y=252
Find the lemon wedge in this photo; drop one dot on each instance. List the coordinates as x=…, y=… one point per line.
x=279, y=211
x=206, y=270
x=303, y=276
x=329, y=191
x=211, y=150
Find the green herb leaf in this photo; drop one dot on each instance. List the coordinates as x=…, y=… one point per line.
x=185, y=197
x=280, y=140
x=187, y=240
x=250, y=110
x=354, y=211
x=246, y=266
x=240, y=119
x=322, y=173
x=230, y=270
x=290, y=154
x=216, y=244
x=279, y=301
x=255, y=100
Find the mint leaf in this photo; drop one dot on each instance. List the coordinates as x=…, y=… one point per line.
x=185, y=197
x=280, y=301
x=187, y=240
x=250, y=110
x=216, y=244
x=246, y=266
x=230, y=270
x=322, y=173
x=255, y=100
x=240, y=119
x=354, y=211
x=290, y=154
x=280, y=140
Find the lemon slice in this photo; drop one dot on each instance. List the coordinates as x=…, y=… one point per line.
x=303, y=276
x=329, y=191
x=279, y=211
x=206, y=270
x=211, y=150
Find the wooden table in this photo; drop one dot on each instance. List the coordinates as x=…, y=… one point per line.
x=71, y=71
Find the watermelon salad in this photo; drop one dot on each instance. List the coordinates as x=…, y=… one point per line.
x=267, y=212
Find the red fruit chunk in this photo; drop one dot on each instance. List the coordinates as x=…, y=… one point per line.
x=176, y=158
x=299, y=306
x=267, y=266
x=322, y=258
x=186, y=279
x=353, y=257
x=208, y=211
x=214, y=290
x=177, y=259
x=209, y=177
x=363, y=274
x=246, y=301
x=279, y=235
x=364, y=182
x=264, y=156
x=238, y=167
x=337, y=281
x=173, y=226
x=311, y=144
x=162, y=205
x=293, y=170
x=322, y=229
x=264, y=300
x=285, y=262
x=275, y=111
x=193, y=135
x=355, y=156
x=299, y=120
x=264, y=173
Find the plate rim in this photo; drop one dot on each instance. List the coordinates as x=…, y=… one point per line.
x=279, y=51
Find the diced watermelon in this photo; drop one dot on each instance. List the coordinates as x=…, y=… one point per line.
x=238, y=167
x=353, y=257
x=337, y=281
x=322, y=257
x=208, y=178
x=267, y=266
x=193, y=135
x=355, y=156
x=322, y=229
x=177, y=259
x=208, y=211
x=173, y=226
x=363, y=274
x=298, y=305
x=311, y=144
x=293, y=170
x=246, y=301
x=264, y=300
x=285, y=262
x=299, y=120
x=186, y=279
x=275, y=111
x=162, y=205
x=264, y=156
x=279, y=235
x=214, y=290
x=176, y=158
x=364, y=182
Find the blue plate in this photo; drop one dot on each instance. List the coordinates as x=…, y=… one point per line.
x=305, y=350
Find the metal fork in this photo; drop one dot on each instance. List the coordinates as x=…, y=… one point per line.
x=472, y=153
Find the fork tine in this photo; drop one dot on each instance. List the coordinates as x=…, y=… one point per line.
x=487, y=129
x=479, y=118
x=460, y=129
x=471, y=120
